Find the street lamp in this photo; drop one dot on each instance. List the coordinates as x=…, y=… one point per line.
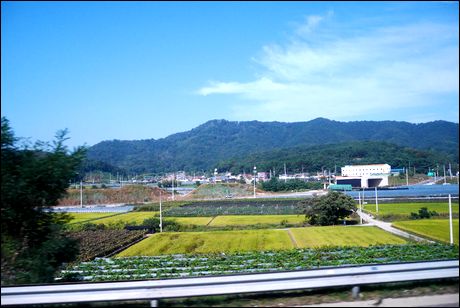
x=255, y=173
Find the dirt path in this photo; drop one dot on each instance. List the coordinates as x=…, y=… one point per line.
x=294, y=242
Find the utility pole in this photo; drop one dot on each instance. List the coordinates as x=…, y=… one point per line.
x=360, y=209
x=444, y=167
x=81, y=194
x=407, y=176
x=161, y=217
x=285, y=174
x=376, y=201
x=172, y=185
x=255, y=173
x=450, y=222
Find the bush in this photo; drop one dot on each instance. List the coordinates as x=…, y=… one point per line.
x=423, y=213
x=168, y=225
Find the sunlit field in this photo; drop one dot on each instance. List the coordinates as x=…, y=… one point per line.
x=210, y=242
x=343, y=236
x=407, y=208
x=242, y=220
x=436, y=229
x=88, y=217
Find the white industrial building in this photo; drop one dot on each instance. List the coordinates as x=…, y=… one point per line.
x=365, y=176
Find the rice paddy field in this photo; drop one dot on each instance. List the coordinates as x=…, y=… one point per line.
x=258, y=240
x=210, y=242
x=403, y=210
x=129, y=218
x=436, y=229
x=196, y=221
x=245, y=220
x=87, y=217
x=137, y=218
x=343, y=236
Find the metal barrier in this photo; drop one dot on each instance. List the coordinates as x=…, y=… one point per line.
x=230, y=284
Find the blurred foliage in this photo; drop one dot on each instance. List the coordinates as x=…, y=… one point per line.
x=276, y=185
x=33, y=179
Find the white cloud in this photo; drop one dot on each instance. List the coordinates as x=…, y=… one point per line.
x=348, y=77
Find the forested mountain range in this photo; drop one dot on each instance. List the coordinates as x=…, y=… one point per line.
x=331, y=157
x=218, y=142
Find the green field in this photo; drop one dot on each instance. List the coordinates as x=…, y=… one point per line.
x=244, y=220
x=197, y=221
x=343, y=236
x=437, y=229
x=87, y=217
x=257, y=240
x=210, y=242
x=403, y=210
x=219, y=221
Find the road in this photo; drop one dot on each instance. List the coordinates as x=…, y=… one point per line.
x=387, y=227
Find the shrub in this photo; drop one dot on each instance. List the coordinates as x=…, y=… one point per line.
x=423, y=213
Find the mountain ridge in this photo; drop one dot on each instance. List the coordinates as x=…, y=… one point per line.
x=217, y=140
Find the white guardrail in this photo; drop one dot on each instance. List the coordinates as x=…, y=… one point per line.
x=230, y=284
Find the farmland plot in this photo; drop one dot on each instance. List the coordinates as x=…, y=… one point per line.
x=237, y=207
x=244, y=220
x=167, y=266
x=343, y=236
x=88, y=217
x=401, y=211
x=210, y=242
x=436, y=229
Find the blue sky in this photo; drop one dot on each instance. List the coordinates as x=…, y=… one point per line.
x=128, y=71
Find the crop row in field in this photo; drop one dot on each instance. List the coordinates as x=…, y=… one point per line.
x=98, y=243
x=167, y=266
x=436, y=229
x=136, y=218
x=404, y=209
x=237, y=207
x=257, y=240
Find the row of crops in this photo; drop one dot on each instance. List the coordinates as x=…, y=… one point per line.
x=96, y=243
x=170, y=266
x=236, y=207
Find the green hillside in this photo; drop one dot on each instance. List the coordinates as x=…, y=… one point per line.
x=207, y=145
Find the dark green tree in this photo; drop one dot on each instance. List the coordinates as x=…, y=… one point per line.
x=329, y=209
x=33, y=179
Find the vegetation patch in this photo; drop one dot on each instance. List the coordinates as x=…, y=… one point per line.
x=132, y=218
x=242, y=220
x=88, y=217
x=210, y=242
x=343, y=236
x=402, y=211
x=237, y=207
x=98, y=243
x=194, y=221
x=436, y=229
x=192, y=265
